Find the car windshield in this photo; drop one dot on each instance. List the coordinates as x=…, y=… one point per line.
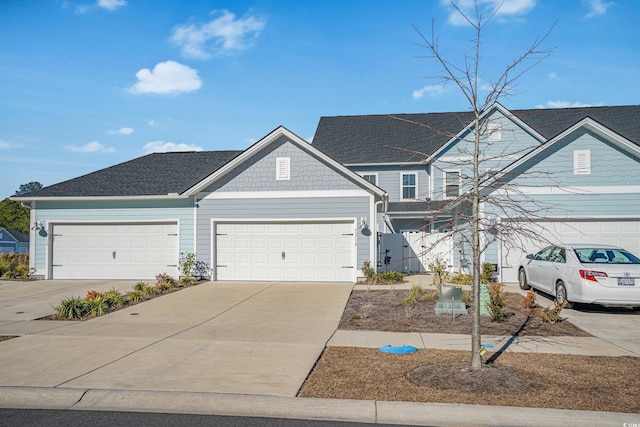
x=605, y=256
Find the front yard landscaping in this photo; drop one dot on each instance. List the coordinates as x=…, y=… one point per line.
x=512, y=379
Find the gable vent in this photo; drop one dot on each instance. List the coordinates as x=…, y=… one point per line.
x=582, y=162
x=283, y=168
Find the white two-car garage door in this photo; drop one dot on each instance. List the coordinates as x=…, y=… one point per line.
x=285, y=251
x=114, y=250
x=620, y=232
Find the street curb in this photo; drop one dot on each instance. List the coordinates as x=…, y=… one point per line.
x=374, y=412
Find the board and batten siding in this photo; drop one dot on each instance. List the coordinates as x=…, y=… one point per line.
x=180, y=210
x=287, y=208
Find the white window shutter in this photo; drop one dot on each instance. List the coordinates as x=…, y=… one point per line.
x=283, y=168
x=582, y=162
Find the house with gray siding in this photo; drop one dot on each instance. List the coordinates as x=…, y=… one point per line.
x=280, y=210
x=387, y=189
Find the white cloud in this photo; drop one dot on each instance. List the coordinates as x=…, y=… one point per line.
x=167, y=77
x=121, y=131
x=151, y=122
x=90, y=147
x=111, y=4
x=165, y=147
x=552, y=76
x=596, y=7
x=505, y=9
x=222, y=34
x=5, y=145
x=431, y=90
x=565, y=104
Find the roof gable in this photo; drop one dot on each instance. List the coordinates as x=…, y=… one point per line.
x=14, y=235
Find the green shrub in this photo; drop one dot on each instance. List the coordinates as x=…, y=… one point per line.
x=461, y=279
x=114, y=299
x=145, y=288
x=186, y=263
x=137, y=296
x=164, y=283
x=368, y=271
x=466, y=296
x=384, y=278
x=497, y=305
x=22, y=270
x=5, y=266
x=70, y=308
x=487, y=273
x=439, y=269
x=95, y=307
x=186, y=281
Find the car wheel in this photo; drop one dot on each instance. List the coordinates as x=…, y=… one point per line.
x=522, y=280
x=561, y=295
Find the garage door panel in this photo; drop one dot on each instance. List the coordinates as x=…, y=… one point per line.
x=86, y=251
x=303, y=243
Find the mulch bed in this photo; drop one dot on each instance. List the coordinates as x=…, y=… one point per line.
x=515, y=379
x=382, y=310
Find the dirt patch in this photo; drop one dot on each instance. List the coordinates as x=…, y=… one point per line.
x=382, y=310
x=541, y=380
x=7, y=337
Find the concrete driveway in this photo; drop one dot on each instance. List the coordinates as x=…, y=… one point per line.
x=246, y=338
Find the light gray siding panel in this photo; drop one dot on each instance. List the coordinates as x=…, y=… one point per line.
x=390, y=179
x=515, y=142
x=580, y=205
x=114, y=210
x=609, y=164
x=282, y=208
x=259, y=173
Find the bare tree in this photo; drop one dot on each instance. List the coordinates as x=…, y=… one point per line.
x=470, y=224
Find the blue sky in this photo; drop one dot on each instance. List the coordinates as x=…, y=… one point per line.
x=88, y=84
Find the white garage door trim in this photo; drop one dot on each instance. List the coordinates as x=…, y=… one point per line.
x=620, y=231
x=344, y=269
x=165, y=259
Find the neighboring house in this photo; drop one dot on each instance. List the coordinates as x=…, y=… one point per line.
x=580, y=164
x=12, y=241
x=280, y=210
x=376, y=188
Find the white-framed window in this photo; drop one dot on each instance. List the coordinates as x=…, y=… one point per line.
x=451, y=184
x=581, y=162
x=371, y=177
x=283, y=168
x=409, y=185
x=495, y=131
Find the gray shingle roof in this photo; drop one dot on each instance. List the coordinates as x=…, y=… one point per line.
x=150, y=175
x=397, y=138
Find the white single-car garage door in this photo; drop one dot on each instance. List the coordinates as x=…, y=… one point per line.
x=114, y=250
x=620, y=232
x=287, y=251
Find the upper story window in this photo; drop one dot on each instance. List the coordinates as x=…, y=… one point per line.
x=409, y=186
x=283, y=168
x=451, y=184
x=495, y=131
x=371, y=177
x=582, y=162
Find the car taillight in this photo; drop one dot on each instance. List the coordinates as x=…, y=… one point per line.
x=591, y=275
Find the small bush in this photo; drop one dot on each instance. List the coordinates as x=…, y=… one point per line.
x=137, y=296
x=439, y=269
x=486, y=276
x=410, y=301
x=164, y=283
x=93, y=294
x=5, y=266
x=114, y=299
x=384, y=278
x=95, y=307
x=461, y=279
x=552, y=314
x=186, y=281
x=466, y=296
x=70, y=308
x=368, y=271
x=145, y=288
x=529, y=301
x=22, y=270
x=430, y=296
x=497, y=305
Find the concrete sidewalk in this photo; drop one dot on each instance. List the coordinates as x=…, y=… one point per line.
x=232, y=349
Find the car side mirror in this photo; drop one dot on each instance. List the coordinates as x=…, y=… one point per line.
x=530, y=256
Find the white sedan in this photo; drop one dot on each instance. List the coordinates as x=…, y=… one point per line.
x=584, y=273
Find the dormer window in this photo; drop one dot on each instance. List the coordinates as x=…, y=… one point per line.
x=283, y=168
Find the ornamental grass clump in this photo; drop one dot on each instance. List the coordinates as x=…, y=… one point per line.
x=114, y=299
x=164, y=283
x=95, y=307
x=70, y=309
x=410, y=301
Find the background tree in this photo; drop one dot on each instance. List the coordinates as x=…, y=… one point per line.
x=13, y=215
x=467, y=74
